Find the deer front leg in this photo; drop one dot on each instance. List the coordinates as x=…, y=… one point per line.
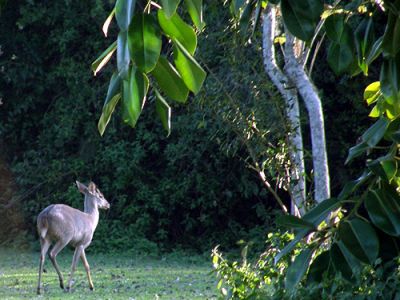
x=44, y=248
x=77, y=254
x=87, y=268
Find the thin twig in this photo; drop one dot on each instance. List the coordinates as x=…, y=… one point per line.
x=255, y=167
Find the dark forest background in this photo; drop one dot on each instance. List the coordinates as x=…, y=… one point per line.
x=193, y=189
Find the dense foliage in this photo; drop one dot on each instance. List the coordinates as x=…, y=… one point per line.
x=180, y=190
x=193, y=188
x=263, y=278
x=345, y=247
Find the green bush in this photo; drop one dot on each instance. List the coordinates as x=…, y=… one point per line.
x=261, y=278
x=258, y=278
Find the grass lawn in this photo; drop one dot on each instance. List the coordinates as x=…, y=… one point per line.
x=115, y=276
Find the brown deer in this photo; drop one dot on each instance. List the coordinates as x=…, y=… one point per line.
x=63, y=225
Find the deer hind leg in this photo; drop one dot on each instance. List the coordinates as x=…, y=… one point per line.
x=87, y=268
x=44, y=245
x=77, y=254
x=52, y=255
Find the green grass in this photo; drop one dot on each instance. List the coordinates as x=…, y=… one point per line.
x=115, y=276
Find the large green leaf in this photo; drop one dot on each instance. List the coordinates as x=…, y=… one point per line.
x=123, y=57
x=319, y=266
x=334, y=27
x=164, y=112
x=102, y=60
x=383, y=208
x=376, y=50
x=112, y=98
x=375, y=133
x=340, y=54
x=391, y=38
x=351, y=186
x=294, y=222
x=195, y=9
x=290, y=246
x=245, y=17
x=298, y=268
x=134, y=96
x=364, y=40
x=320, y=212
x=301, y=17
x=339, y=262
x=354, y=263
x=389, y=246
x=393, y=131
x=390, y=78
x=360, y=239
x=191, y=72
x=178, y=30
x=144, y=40
x=169, y=6
x=343, y=261
x=314, y=217
x=385, y=167
x=356, y=151
x=170, y=81
x=370, y=138
x=124, y=10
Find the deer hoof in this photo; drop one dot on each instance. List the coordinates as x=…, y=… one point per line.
x=39, y=291
x=62, y=285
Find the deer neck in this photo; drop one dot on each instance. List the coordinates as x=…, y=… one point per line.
x=91, y=209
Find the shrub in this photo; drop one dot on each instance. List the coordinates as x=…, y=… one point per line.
x=261, y=278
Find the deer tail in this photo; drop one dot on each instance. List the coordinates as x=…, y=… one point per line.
x=42, y=224
x=43, y=229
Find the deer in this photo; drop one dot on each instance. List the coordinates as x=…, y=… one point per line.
x=63, y=225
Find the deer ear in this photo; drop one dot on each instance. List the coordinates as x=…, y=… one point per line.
x=92, y=187
x=81, y=187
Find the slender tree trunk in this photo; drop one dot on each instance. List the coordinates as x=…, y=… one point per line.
x=295, y=71
x=290, y=82
x=289, y=94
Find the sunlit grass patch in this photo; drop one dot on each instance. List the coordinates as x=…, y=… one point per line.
x=115, y=276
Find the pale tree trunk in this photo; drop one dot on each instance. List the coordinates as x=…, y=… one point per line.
x=295, y=71
x=289, y=94
x=290, y=81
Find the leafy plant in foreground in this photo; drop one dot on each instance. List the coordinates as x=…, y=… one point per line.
x=359, y=229
x=145, y=28
x=358, y=226
x=262, y=278
x=246, y=279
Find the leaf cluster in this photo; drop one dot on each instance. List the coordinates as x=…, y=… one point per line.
x=144, y=30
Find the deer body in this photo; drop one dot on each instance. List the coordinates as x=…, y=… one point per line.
x=63, y=225
x=59, y=222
